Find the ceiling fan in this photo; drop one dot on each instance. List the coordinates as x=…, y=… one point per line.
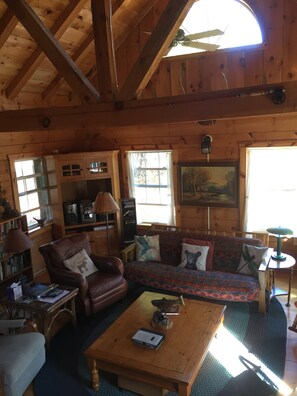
x=192, y=40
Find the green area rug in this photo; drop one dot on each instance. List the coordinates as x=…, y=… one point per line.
x=263, y=336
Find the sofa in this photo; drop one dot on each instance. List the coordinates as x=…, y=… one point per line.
x=219, y=281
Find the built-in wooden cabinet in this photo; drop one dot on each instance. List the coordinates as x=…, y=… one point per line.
x=80, y=176
x=14, y=267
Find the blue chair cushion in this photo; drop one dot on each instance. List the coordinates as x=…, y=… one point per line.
x=21, y=357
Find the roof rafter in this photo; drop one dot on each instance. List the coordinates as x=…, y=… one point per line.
x=78, y=55
x=7, y=23
x=155, y=48
x=104, y=48
x=58, y=28
x=120, y=35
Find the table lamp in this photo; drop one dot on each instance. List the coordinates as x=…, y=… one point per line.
x=280, y=233
x=17, y=242
x=105, y=204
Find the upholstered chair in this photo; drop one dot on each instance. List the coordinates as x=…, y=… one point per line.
x=22, y=355
x=99, y=278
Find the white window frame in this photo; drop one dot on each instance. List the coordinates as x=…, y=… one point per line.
x=42, y=210
x=271, y=188
x=154, y=207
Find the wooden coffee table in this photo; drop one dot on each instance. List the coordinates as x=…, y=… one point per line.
x=175, y=364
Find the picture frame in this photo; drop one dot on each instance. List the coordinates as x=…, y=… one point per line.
x=208, y=184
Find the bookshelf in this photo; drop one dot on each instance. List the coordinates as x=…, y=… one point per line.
x=14, y=267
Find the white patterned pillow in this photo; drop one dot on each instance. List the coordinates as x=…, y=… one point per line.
x=147, y=248
x=251, y=259
x=81, y=263
x=194, y=257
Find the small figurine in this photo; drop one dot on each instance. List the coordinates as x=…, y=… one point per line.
x=161, y=321
x=165, y=304
x=40, y=221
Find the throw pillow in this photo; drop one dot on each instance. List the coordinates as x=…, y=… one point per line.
x=194, y=257
x=210, y=253
x=250, y=260
x=147, y=248
x=81, y=263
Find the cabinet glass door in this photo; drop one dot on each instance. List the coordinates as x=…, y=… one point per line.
x=71, y=170
x=97, y=168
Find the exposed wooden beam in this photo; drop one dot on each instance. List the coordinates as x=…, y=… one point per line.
x=78, y=55
x=58, y=29
x=121, y=32
x=228, y=104
x=157, y=44
x=104, y=48
x=7, y=23
x=54, y=51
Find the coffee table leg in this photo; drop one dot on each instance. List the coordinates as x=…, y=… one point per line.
x=94, y=375
x=184, y=390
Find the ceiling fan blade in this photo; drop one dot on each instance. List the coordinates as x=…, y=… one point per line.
x=199, y=45
x=208, y=33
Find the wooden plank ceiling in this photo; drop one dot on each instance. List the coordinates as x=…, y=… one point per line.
x=59, y=48
x=59, y=58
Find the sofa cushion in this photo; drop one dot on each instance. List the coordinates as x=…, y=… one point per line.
x=251, y=258
x=81, y=263
x=200, y=242
x=147, y=248
x=227, y=250
x=194, y=257
x=209, y=284
x=21, y=357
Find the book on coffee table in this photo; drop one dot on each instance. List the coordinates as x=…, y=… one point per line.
x=149, y=338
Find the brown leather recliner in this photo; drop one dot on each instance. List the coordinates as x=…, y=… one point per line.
x=96, y=291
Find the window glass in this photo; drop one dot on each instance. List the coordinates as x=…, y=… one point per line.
x=32, y=184
x=216, y=24
x=151, y=186
x=271, y=188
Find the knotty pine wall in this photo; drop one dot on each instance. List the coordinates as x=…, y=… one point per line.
x=273, y=62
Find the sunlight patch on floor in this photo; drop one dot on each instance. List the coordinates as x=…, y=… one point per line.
x=228, y=350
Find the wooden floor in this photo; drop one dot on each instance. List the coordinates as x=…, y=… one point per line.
x=290, y=377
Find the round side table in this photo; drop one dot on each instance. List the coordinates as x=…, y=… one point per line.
x=287, y=264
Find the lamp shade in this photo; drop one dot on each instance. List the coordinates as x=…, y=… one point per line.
x=279, y=231
x=105, y=204
x=17, y=241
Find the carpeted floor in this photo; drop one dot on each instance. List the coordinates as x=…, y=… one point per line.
x=258, y=336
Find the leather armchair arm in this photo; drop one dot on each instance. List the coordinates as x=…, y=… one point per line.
x=108, y=264
x=70, y=278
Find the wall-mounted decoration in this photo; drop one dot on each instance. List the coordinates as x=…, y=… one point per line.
x=209, y=184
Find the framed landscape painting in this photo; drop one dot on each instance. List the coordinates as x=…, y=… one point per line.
x=209, y=184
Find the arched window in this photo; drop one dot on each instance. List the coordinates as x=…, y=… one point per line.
x=216, y=24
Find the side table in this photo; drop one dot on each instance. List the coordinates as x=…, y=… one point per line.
x=44, y=313
x=275, y=265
